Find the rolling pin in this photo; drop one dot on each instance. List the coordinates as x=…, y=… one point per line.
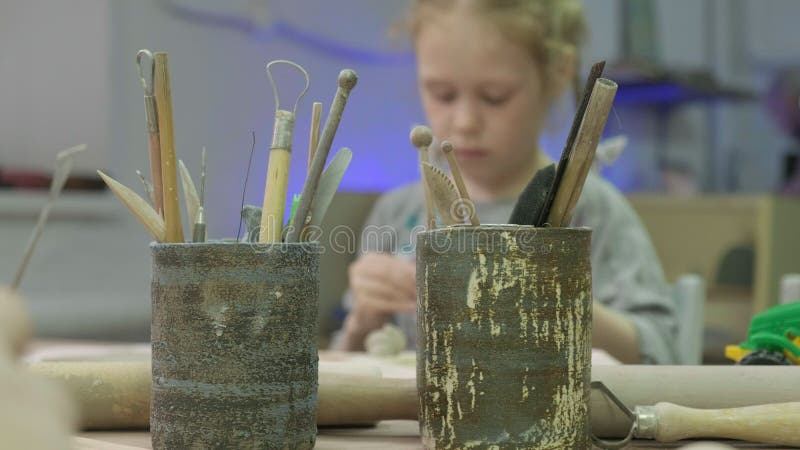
x=117, y=394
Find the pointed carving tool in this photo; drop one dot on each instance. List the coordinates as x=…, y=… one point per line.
x=421, y=138
x=347, y=81
x=153, y=135
x=531, y=200
x=313, y=138
x=595, y=73
x=190, y=197
x=199, y=225
x=444, y=194
x=60, y=175
x=467, y=206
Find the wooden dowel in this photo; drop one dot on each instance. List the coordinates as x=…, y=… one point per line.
x=313, y=138
x=421, y=138
x=169, y=169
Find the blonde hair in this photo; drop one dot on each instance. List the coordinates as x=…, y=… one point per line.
x=549, y=29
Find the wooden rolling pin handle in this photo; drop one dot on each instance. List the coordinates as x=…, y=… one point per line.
x=777, y=424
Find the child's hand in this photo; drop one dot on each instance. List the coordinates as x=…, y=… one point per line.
x=381, y=285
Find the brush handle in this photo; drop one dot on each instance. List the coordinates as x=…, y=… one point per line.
x=154, y=152
x=169, y=169
x=280, y=153
x=777, y=424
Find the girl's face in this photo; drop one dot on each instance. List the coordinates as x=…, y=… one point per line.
x=482, y=92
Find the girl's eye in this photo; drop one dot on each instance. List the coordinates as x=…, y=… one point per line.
x=443, y=96
x=495, y=98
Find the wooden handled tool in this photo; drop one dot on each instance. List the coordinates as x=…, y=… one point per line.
x=169, y=170
x=447, y=149
x=278, y=167
x=595, y=73
x=421, y=138
x=582, y=155
x=777, y=424
x=443, y=193
x=140, y=209
x=347, y=81
x=313, y=135
x=153, y=135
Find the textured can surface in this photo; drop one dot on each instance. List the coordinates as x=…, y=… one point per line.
x=233, y=335
x=504, y=337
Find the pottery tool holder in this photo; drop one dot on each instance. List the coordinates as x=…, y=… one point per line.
x=234, y=354
x=504, y=344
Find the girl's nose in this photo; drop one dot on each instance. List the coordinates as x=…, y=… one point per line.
x=466, y=117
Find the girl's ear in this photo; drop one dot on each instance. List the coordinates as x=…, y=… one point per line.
x=562, y=73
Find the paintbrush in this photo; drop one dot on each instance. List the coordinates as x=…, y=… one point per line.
x=60, y=175
x=582, y=156
x=347, y=81
x=140, y=209
x=531, y=200
x=169, y=175
x=153, y=137
x=467, y=208
x=280, y=152
x=594, y=74
x=421, y=138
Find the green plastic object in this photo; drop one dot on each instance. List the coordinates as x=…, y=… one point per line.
x=776, y=329
x=295, y=202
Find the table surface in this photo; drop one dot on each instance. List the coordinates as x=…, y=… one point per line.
x=392, y=434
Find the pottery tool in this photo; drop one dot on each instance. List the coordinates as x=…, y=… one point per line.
x=140, y=209
x=328, y=184
x=244, y=191
x=169, y=174
x=421, y=138
x=775, y=424
x=595, y=73
x=148, y=187
x=468, y=208
x=190, y=197
x=313, y=138
x=64, y=161
x=444, y=194
x=279, y=157
x=151, y=119
x=531, y=201
x=199, y=228
x=582, y=155
x=347, y=81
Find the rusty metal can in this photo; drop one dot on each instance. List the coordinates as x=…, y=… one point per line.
x=504, y=337
x=233, y=336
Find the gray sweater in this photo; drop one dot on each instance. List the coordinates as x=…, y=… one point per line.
x=626, y=273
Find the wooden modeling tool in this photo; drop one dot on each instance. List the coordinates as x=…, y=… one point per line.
x=148, y=187
x=140, y=209
x=199, y=226
x=280, y=152
x=595, y=73
x=347, y=81
x=190, y=197
x=313, y=138
x=531, y=200
x=153, y=136
x=444, y=194
x=169, y=171
x=329, y=183
x=466, y=201
x=421, y=138
x=64, y=164
x=582, y=155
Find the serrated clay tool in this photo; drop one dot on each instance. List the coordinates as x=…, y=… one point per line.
x=347, y=81
x=775, y=424
x=421, y=138
x=280, y=152
x=444, y=194
x=467, y=206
